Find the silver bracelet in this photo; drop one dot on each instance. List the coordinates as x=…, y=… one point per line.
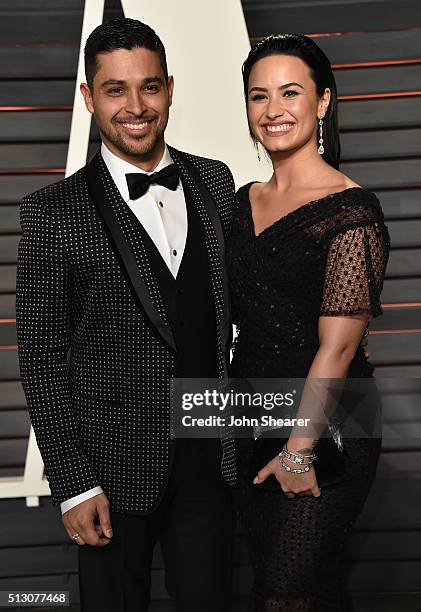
x=298, y=458
x=295, y=470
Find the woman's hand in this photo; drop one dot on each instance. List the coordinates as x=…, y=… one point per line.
x=291, y=484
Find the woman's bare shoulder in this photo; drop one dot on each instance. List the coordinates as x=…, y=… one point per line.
x=348, y=182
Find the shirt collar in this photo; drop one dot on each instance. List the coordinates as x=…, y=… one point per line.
x=118, y=168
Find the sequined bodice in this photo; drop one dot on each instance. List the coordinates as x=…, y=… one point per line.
x=326, y=258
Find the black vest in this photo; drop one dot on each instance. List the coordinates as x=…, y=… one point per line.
x=189, y=300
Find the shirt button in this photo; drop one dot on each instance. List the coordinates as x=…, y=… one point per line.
x=174, y=253
x=161, y=204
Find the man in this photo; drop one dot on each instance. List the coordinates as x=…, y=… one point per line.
x=120, y=286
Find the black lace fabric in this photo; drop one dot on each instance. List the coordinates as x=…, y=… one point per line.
x=296, y=545
x=326, y=258
x=355, y=269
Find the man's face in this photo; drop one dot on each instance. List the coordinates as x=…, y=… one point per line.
x=130, y=101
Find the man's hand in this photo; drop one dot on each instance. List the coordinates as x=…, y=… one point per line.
x=80, y=519
x=291, y=484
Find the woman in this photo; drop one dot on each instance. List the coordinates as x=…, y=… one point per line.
x=306, y=260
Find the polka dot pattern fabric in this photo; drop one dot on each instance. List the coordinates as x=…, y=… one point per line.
x=95, y=372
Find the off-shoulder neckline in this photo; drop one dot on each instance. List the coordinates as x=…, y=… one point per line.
x=310, y=203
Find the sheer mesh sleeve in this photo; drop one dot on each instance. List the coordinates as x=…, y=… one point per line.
x=355, y=269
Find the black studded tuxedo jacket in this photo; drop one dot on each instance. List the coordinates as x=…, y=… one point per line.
x=99, y=337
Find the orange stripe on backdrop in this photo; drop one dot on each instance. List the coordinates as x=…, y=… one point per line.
x=13, y=347
x=319, y=34
x=34, y=171
x=9, y=347
x=391, y=188
x=376, y=64
x=332, y=34
x=396, y=305
x=69, y=107
x=62, y=107
x=39, y=46
x=403, y=449
x=394, y=94
x=402, y=305
x=395, y=331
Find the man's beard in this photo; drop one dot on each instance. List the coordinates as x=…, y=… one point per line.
x=132, y=147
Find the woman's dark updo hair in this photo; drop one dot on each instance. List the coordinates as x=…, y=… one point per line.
x=321, y=73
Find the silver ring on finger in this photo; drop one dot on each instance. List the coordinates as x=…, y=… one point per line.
x=75, y=537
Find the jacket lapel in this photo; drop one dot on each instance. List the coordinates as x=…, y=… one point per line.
x=120, y=225
x=196, y=189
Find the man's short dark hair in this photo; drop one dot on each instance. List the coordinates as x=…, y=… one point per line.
x=121, y=33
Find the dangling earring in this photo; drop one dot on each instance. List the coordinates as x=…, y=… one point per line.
x=321, y=149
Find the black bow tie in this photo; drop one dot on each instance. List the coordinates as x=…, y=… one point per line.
x=139, y=182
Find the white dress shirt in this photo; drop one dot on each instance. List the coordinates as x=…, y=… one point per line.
x=163, y=214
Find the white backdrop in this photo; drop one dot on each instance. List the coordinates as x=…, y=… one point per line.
x=206, y=43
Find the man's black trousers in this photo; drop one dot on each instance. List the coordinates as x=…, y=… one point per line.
x=194, y=526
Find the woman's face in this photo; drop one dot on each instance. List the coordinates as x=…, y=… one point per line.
x=283, y=105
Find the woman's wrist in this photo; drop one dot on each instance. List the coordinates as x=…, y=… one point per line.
x=303, y=446
x=298, y=463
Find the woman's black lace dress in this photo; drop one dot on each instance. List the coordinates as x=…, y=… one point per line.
x=326, y=258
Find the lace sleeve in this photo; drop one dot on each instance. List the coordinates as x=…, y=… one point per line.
x=355, y=269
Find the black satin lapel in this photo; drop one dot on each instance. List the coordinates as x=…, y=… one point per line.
x=188, y=171
x=124, y=253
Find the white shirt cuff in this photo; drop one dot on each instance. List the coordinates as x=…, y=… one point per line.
x=78, y=499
